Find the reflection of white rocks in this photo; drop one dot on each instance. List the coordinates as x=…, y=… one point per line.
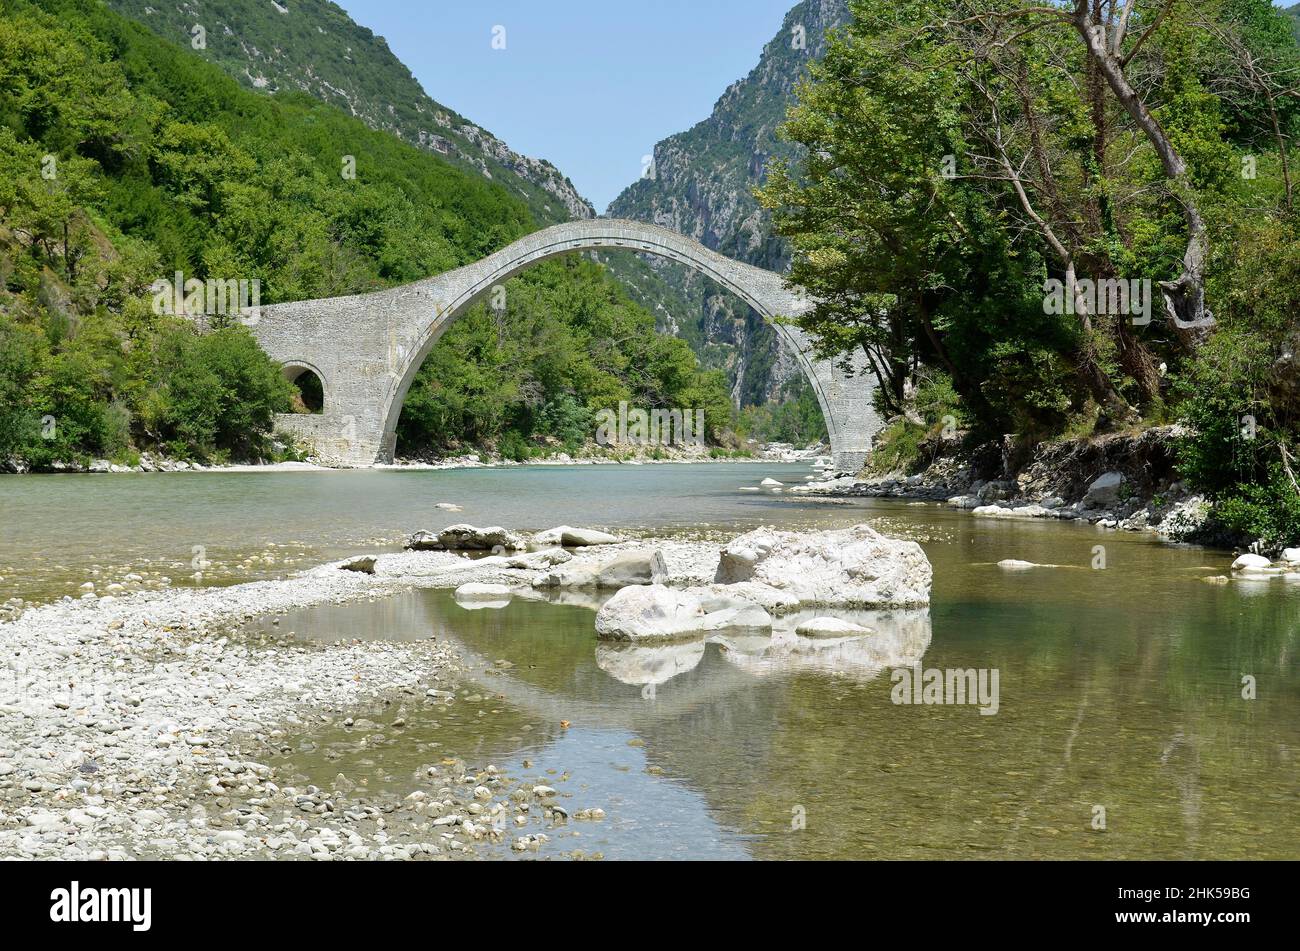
x=897, y=638
x=830, y=627
x=466, y=538
x=854, y=566
x=638, y=665
x=565, y=536
x=483, y=592
x=588, y=598
x=646, y=612
x=632, y=568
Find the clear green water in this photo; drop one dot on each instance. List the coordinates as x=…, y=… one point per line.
x=1119, y=688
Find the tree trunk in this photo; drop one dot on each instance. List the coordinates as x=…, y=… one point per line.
x=1184, y=296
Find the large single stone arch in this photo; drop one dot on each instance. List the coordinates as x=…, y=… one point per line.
x=367, y=348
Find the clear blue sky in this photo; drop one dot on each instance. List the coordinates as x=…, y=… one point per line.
x=590, y=85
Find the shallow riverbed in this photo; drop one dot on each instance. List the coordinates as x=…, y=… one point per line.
x=1120, y=690
x=1120, y=670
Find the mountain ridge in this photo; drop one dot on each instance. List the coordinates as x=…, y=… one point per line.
x=314, y=46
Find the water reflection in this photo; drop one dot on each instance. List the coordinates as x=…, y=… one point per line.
x=1119, y=688
x=637, y=665
x=896, y=639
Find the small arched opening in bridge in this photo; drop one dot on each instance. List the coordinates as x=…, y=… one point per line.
x=309, y=390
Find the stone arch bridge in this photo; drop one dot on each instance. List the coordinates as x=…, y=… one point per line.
x=366, y=349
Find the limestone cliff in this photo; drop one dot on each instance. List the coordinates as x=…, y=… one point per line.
x=702, y=186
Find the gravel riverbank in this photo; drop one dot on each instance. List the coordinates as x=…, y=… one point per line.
x=132, y=726
x=136, y=726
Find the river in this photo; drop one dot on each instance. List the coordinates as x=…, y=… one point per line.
x=1121, y=729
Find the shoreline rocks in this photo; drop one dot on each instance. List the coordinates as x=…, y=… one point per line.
x=632, y=568
x=466, y=538
x=1124, y=481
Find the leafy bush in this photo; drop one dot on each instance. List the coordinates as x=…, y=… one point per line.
x=515, y=447
x=1265, y=513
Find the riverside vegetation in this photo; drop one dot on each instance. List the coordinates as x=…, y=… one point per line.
x=962, y=155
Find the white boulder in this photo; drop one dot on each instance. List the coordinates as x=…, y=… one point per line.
x=466, y=538
x=364, y=565
x=1015, y=564
x=483, y=592
x=830, y=627
x=645, y=612
x=565, y=536
x=849, y=567
x=631, y=568
x=648, y=612
x=1250, y=562
x=539, y=560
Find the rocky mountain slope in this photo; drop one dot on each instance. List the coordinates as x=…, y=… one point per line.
x=313, y=46
x=702, y=185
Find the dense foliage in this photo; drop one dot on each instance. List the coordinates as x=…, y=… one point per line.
x=567, y=344
x=124, y=159
x=965, y=154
